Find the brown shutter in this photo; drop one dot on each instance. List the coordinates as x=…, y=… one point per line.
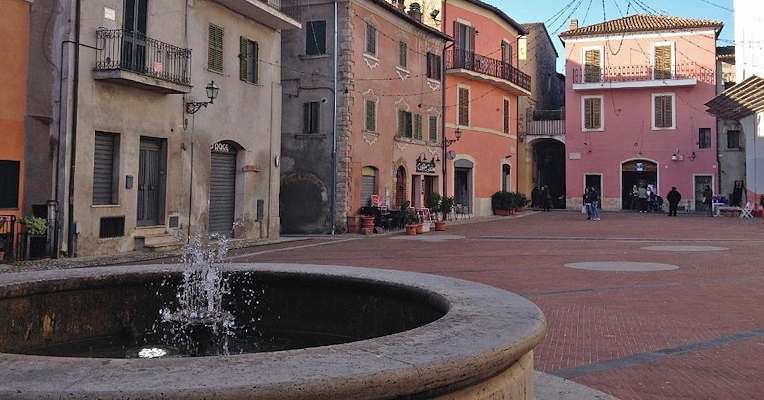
x=592, y=71
x=587, y=113
x=596, y=113
x=457, y=39
x=471, y=30
x=667, y=111
x=658, y=112
x=464, y=107
x=662, y=62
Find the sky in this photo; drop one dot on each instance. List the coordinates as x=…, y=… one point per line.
x=556, y=14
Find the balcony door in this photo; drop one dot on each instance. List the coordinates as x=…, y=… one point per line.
x=134, y=35
x=464, y=38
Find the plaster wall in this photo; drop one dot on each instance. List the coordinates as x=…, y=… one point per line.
x=749, y=57
x=627, y=132
x=14, y=27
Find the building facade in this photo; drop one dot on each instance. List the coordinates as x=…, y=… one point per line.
x=541, y=116
x=143, y=153
x=730, y=138
x=362, y=112
x=483, y=85
x=14, y=25
x=640, y=121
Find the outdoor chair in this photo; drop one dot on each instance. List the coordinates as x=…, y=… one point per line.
x=746, y=211
x=462, y=210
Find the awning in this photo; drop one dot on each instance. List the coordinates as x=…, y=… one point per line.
x=744, y=99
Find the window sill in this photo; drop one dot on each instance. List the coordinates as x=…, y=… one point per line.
x=672, y=128
x=403, y=70
x=371, y=56
x=433, y=81
x=313, y=56
x=593, y=130
x=105, y=205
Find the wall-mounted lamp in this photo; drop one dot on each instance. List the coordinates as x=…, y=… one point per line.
x=458, y=134
x=692, y=156
x=674, y=157
x=212, y=93
x=521, y=138
x=509, y=156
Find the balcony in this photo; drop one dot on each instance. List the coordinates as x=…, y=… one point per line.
x=276, y=14
x=133, y=59
x=547, y=123
x=478, y=67
x=640, y=76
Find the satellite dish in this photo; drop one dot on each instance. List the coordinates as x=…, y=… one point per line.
x=451, y=154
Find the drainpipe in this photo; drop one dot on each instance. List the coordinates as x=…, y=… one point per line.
x=443, y=100
x=71, y=248
x=332, y=206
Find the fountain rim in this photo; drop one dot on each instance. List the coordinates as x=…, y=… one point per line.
x=484, y=330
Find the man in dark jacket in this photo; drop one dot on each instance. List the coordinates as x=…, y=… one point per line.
x=673, y=198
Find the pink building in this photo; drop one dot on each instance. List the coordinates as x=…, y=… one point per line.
x=635, y=94
x=482, y=89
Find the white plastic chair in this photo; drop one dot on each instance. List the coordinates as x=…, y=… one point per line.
x=746, y=211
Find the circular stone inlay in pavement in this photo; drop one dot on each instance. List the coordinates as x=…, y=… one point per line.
x=685, y=248
x=627, y=266
x=428, y=238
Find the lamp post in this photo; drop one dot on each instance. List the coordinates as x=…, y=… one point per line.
x=212, y=93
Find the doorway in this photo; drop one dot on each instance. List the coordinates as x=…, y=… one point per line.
x=463, y=186
x=701, y=181
x=222, y=189
x=506, y=178
x=400, y=186
x=595, y=181
x=134, y=35
x=150, y=181
x=642, y=173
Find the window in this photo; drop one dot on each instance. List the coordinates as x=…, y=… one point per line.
x=592, y=113
x=9, y=183
x=310, y=113
x=506, y=115
x=506, y=52
x=663, y=60
x=464, y=107
x=402, y=54
x=433, y=66
x=371, y=40
x=434, y=129
x=248, y=60
x=704, y=138
x=663, y=111
x=215, y=51
x=733, y=140
x=592, y=65
x=371, y=116
x=418, y=126
x=404, y=124
x=315, y=38
x=105, y=178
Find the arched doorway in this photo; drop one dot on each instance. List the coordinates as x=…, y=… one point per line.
x=638, y=172
x=400, y=186
x=506, y=178
x=463, y=185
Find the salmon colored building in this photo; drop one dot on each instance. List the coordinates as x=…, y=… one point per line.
x=635, y=94
x=482, y=89
x=14, y=28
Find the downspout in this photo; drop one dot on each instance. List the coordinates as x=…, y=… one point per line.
x=71, y=248
x=332, y=206
x=443, y=100
x=59, y=171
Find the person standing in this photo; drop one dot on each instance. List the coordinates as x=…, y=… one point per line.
x=588, y=202
x=635, y=198
x=708, y=200
x=642, y=195
x=673, y=197
x=547, y=199
x=595, y=196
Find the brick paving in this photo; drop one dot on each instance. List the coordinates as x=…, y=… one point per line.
x=696, y=332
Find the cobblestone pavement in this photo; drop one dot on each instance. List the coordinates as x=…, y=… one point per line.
x=694, y=332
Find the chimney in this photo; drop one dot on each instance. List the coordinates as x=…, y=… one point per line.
x=573, y=24
x=401, y=5
x=415, y=12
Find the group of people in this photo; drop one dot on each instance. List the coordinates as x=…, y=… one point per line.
x=541, y=197
x=591, y=203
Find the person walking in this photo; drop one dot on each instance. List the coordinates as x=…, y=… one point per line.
x=642, y=195
x=547, y=199
x=673, y=197
x=708, y=200
x=535, y=197
x=595, y=196
x=635, y=198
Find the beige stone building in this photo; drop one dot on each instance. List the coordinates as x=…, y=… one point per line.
x=144, y=153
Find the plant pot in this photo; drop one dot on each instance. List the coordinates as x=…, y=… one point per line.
x=503, y=213
x=367, y=222
x=511, y=211
x=520, y=209
x=411, y=230
x=440, y=226
x=419, y=228
x=353, y=224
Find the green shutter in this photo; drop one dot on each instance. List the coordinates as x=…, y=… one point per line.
x=255, y=57
x=418, y=126
x=305, y=117
x=370, y=123
x=434, y=129
x=243, y=58
x=215, y=49
x=402, y=52
x=401, y=123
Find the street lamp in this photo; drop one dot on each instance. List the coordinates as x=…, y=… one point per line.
x=212, y=93
x=458, y=133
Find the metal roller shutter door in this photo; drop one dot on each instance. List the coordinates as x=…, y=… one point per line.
x=367, y=189
x=222, y=193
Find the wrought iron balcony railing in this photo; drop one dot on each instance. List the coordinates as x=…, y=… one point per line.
x=641, y=73
x=459, y=58
x=132, y=51
x=288, y=7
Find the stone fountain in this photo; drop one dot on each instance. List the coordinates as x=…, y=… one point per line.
x=271, y=331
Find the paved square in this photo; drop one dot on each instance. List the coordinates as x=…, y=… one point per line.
x=693, y=332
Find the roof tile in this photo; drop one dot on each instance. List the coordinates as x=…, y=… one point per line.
x=641, y=23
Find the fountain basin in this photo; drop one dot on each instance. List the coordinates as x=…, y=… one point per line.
x=381, y=334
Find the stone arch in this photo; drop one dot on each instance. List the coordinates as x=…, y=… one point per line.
x=304, y=204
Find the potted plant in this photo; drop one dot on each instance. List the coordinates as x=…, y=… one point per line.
x=445, y=207
x=520, y=201
x=410, y=220
x=502, y=203
x=34, y=225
